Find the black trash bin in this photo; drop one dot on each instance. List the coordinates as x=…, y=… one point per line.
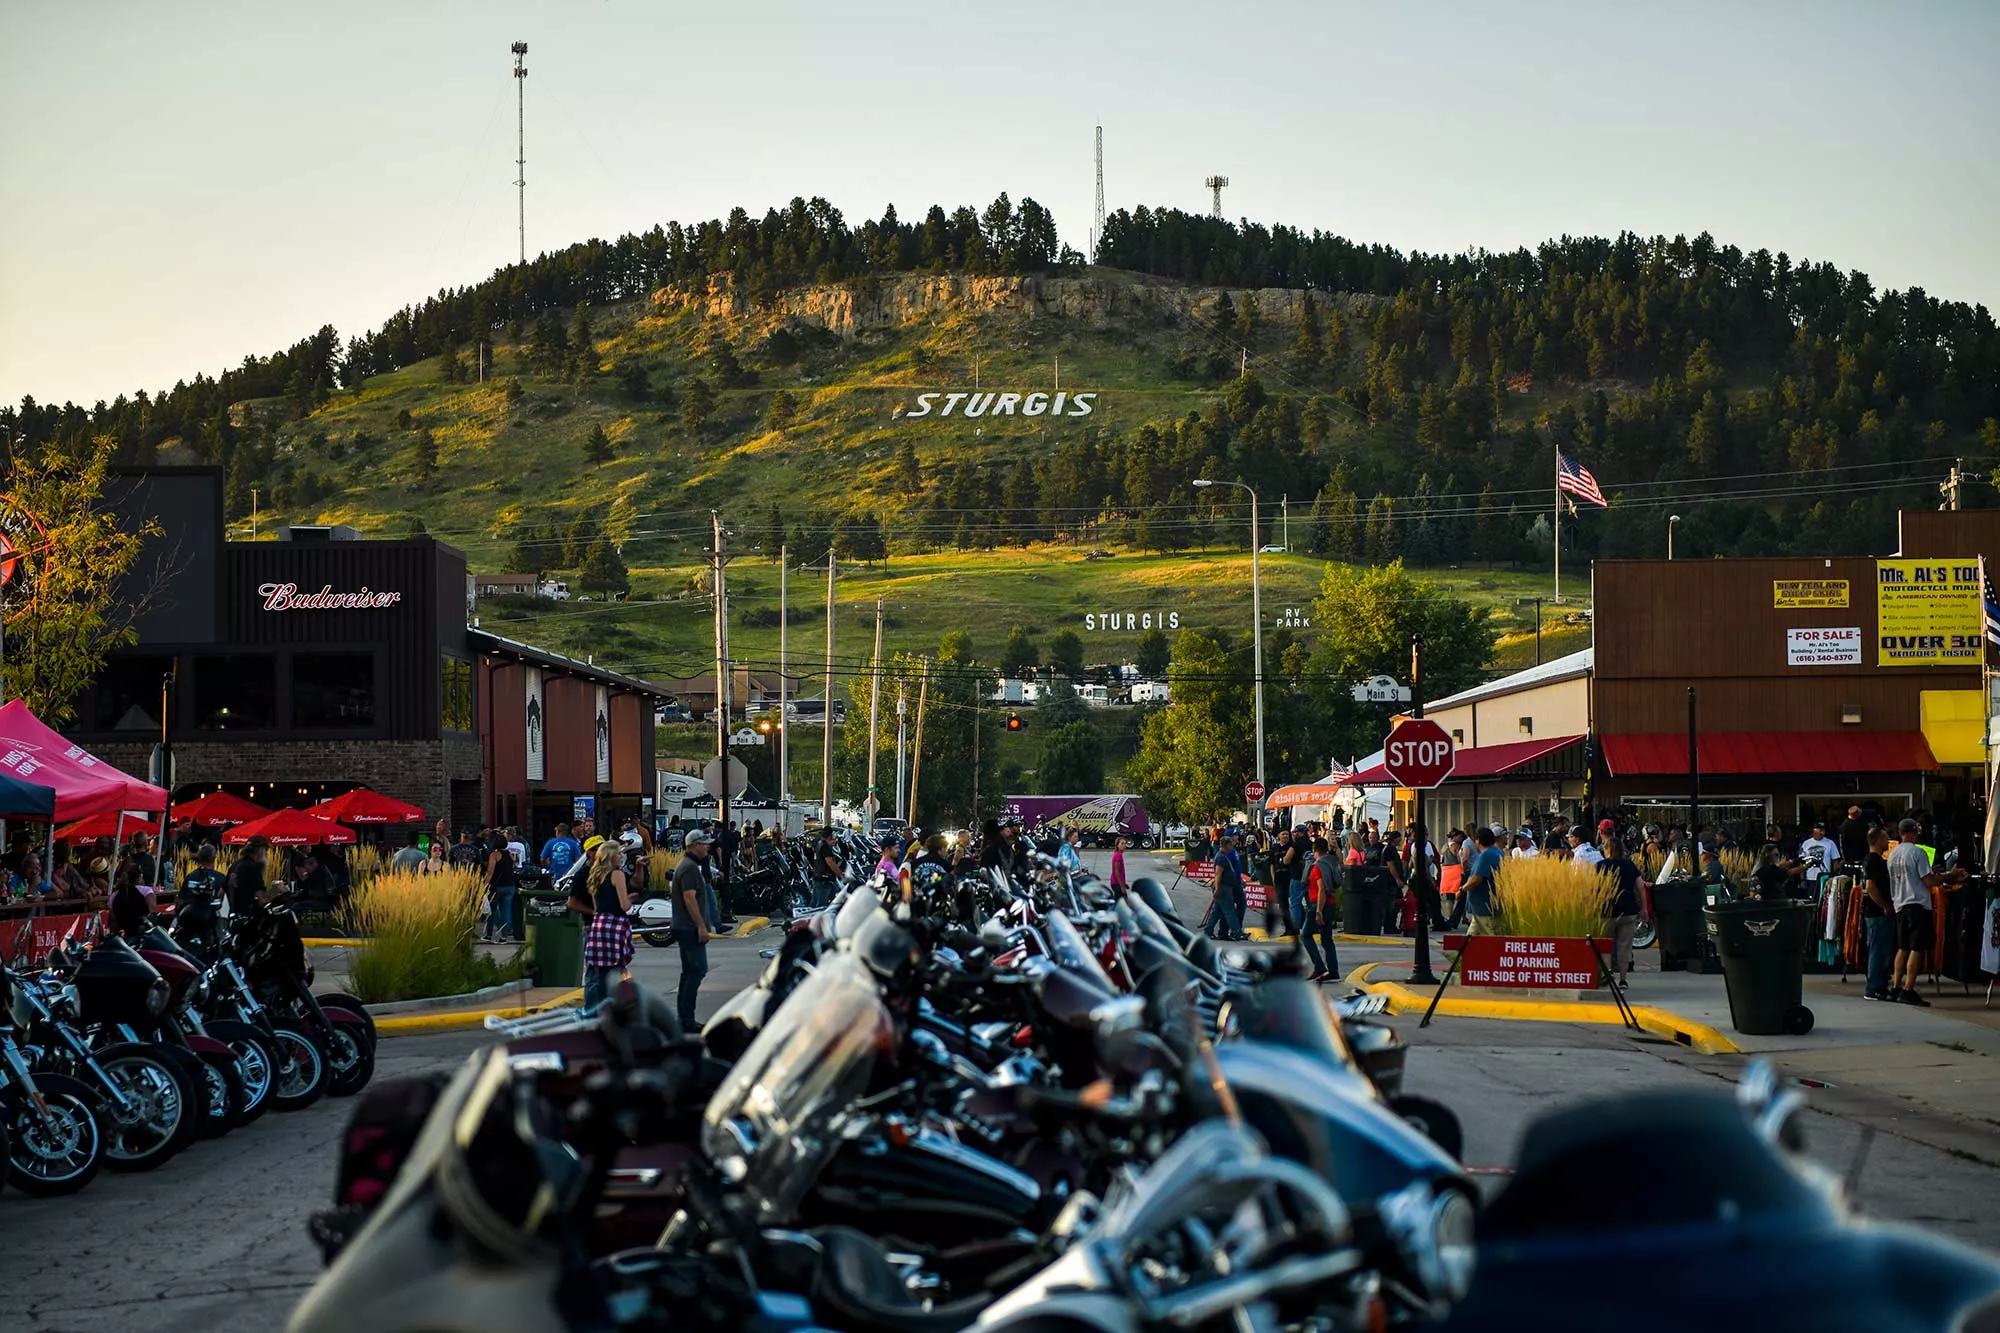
x=1677, y=908
x=1763, y=949
x=1371, y=896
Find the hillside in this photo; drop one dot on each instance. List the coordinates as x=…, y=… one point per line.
x=958, y=397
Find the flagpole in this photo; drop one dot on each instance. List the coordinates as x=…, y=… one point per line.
x=1559, y=525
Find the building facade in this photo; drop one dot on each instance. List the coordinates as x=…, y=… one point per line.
x=288, y=671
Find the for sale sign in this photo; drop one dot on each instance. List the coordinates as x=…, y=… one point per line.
x=1528, y=963
x=1823, y=646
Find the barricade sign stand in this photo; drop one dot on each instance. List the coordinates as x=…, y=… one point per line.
x=1517, y=962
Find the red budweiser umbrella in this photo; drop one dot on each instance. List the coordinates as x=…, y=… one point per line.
x=218, y=809
x=290, y=828
x=107, y=826
x=362, y=806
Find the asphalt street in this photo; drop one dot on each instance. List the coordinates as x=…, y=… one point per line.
x=216, y=1241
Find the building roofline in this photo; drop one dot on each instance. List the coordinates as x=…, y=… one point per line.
x=1568, y=667
x=487, y=641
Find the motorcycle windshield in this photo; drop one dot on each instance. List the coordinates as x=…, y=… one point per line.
x=1291, y=1013
x=778, y=1111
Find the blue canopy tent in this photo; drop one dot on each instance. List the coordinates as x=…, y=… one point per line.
x=21, y=799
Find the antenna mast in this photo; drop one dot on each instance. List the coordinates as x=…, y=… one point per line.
x=521, y=141
x=1097, y=232
x=1214, y=185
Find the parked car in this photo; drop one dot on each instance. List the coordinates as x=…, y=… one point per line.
x=1274, y=550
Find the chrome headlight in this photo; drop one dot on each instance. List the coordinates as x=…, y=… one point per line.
x=157, y=996
x=1434, y=1232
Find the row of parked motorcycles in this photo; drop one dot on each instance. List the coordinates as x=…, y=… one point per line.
x=961, y=1102
x=781, y=885
x=118, y=1053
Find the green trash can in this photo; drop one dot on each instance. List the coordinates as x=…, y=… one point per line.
x=1763, y=950
x=555, y=938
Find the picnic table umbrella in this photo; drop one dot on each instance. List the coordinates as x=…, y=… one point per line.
x=110, y=825
x=218, y=809
x=363, y=806
x=290, y=828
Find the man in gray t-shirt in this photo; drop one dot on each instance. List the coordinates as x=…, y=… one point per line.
x=1911, y=880
x=693, y=908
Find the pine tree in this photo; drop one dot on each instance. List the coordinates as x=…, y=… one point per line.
x=550, y=348
x=450, y=369
x=774, y=533
x=778, y=412
x=604, y=572
x=909, y=473
x=427, y=455
x=597, y=446
x=1246, y=319
x=1313, y=423
x=698, y=405
x=1336, y=343
x=634, y=380
x=1308, y=347
x=1380, y=539
x=1490, y=543
x=582, y=346
x=1023, y=503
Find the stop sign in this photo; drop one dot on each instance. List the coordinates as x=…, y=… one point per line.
x=1418, y=753
x=1253, y=790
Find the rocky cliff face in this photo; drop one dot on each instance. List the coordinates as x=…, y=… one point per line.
x=889, y=302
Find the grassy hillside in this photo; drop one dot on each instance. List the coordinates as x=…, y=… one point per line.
x=510, y=455
x=982, y=593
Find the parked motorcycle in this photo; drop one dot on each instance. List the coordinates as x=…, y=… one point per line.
x=48, y=1126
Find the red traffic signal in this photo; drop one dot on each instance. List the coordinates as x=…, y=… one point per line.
x=1014, y=722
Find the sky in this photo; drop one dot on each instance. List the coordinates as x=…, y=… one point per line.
x=182, y=185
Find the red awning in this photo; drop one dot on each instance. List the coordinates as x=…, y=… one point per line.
x=1484, y=762
x=84, y=784
x=1723, y=752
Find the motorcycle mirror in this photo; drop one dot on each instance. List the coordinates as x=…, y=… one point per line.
x=994, y=939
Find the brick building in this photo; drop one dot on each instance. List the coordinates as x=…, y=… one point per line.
x=289, y=671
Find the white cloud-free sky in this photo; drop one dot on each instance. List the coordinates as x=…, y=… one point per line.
x=184, y=184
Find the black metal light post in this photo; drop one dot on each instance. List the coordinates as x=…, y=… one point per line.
x=1420, y=970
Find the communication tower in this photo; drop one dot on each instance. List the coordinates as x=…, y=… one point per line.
x=1215, y=184
x=521, y=140
x=1097, y=231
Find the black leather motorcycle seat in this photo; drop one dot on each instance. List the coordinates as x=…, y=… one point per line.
x=856, y=1281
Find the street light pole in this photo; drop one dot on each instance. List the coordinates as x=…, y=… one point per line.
x=1256, y=621
x=784, y=715
x=1673, y=521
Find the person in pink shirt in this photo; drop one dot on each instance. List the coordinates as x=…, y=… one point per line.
x=1118, y=865
x=892, y=858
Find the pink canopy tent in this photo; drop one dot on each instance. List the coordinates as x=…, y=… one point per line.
x=84, y=784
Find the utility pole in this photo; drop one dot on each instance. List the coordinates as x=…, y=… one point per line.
x=521, y=140
x=1949, y=487
x=784, y=688
x=874, y=702
x=826, y=740
x=902, y=738
x=1058, y=372
x=917, y=755
x=253, y=513
x=978, y=717
x=1285, y=521
x=1420, y=861
x=721, y=598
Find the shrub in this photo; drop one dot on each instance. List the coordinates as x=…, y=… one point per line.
x=421, y=928
x=1549, y=896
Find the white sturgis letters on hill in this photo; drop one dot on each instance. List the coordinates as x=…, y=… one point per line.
x=1001, y=404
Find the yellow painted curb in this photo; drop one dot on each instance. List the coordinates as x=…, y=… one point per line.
x=335, y=942
x=1660, y=1022
x=408, y=1025
x=1394, y=941
x=745, y=925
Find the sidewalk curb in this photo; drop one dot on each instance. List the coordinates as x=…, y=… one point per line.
x=746, y=926
x=400, y=1008
x=410, y=1025
x=335, y=942
x=1686, y=1032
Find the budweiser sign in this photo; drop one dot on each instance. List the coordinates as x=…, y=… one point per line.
x=287, y=597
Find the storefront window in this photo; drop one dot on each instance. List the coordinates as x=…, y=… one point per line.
x=128, y=693
x=455, y=694
x=333, y=690
x=236, y=693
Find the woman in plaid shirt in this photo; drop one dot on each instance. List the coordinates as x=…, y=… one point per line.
x=607, y=945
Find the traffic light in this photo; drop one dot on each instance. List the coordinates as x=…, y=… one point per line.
x=1014, y=722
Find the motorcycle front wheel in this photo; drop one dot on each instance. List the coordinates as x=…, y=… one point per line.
x=301, y=1070
x=350, y=1059
x=256, y=1064
x=158, y=1117
x=57, y=1151
x=223, y=1095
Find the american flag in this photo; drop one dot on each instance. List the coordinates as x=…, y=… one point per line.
x=1575, y=478
x=1989, y=605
